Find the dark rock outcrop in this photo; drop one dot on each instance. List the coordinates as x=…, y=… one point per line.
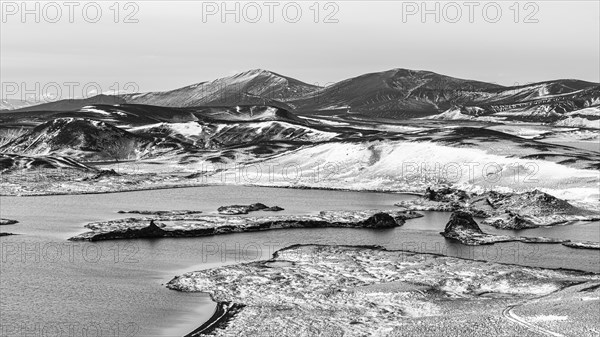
x=7, y=222
x=273, y=209
x=245, y=209
x=151, y=231
x=446, y=194
x=512, y=220
x=195, y=175
x=380, y=220
x=460, y=220
x=503, y=210
x=462, y=227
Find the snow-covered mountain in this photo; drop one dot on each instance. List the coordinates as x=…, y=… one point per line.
x=253, y=87
x=397, y=94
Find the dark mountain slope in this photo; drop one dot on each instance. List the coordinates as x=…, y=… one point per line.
x=403, y=91
x=74, y=104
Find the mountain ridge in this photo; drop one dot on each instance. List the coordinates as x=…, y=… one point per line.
x=397, y=93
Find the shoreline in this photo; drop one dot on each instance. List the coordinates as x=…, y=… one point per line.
x=174, y=225
x=222, y=314
x=212, y=185
x=384, y=249
x=209, y=225
x=225, y=311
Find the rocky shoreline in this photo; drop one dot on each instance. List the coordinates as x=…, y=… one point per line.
x=463, y=228
x=315, y=290
x=510, y=210
x=185, y=223
x=194, y=225
x=583, y=245
x=245, y=209
x=503, y=210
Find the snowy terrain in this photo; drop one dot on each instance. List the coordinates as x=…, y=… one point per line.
x=312, y=290
x=396, y=130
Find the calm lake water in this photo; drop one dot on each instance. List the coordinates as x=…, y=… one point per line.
x=50, y=285
x=589, y=145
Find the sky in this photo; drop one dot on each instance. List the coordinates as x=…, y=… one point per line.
x=163, y=45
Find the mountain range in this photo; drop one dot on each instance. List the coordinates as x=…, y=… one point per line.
x=398, y=130
x=396, y=93
x=359, y=133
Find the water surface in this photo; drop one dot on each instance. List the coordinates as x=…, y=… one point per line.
x=50, y=286
x=115, y=286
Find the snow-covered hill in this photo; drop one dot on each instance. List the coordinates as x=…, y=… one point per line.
x=220, y=135
x=398, y=94
x=412, y=166
x=85, y=140
x=253, y=87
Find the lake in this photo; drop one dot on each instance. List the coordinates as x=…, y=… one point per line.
x=49, y=285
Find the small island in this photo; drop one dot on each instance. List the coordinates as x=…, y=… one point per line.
x=463, y=228
x=4, y=222
x=194, y=225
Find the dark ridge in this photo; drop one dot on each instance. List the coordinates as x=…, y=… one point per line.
x=73, y=104
x=462, y=221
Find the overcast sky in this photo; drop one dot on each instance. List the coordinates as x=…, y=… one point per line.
x=177, y=43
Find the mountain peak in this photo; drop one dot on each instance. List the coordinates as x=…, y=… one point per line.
x=408, y=72
x=256, y=72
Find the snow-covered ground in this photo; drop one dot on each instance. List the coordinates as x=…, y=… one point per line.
x=274, y=130
x=92, y=109
x=409, y=166
x=579, y=122
x=361, y=291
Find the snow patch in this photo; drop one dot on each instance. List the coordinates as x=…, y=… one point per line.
x=450, y=114
x=186, y=129
x=402, y=165
x=579, y=122
x=591, y=111
x=93, y=109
